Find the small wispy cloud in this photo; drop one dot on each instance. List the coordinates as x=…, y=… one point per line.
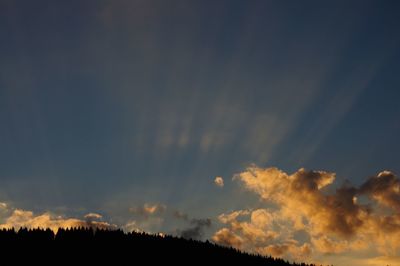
x=149, y=217
x=181, y=215
x=196, y=227
x=148, y=209
x=219, y=181
x=93, y=216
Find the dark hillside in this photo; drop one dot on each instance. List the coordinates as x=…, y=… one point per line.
x=118, y=248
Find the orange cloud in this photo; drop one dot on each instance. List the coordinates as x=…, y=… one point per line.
x=383, y=188
x=305, y=218
x=219, y=181
x=27, y=219
x=147, y=218
x=227, y=238
x=93, y=216
x=300, y=198
x=148, y=209
x=291, y=246
x=328, y=246
x=258, y=231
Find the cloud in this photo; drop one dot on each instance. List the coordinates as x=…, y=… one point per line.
x=291, y=246
x=93, y=216
x=181, y=215
x=379, y=261
x=18, y=218
x=326, y=245
x=93, y=219
x=254, y=231
x=148, y=225
x=300, y=197
x=219, y=181
x=383, y=188
x=196, y=229
x=148, y=209
x=226, y=237
x=132, y=226
x=306, y=215
x=232, y=216
x=4, y=210
x=146, y=218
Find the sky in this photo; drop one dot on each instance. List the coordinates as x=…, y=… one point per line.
x=220, y=120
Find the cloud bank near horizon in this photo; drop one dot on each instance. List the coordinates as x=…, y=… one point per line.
x=303, y=216
x=18, y=218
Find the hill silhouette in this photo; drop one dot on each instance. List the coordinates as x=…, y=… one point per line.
x=92, y=246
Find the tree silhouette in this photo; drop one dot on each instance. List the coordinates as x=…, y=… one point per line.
x=92, y=246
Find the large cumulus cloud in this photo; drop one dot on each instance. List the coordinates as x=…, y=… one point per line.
x=307, y=215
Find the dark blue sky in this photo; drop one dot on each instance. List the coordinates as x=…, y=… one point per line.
x=108, y=104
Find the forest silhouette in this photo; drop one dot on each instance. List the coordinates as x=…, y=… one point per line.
x=91, y=245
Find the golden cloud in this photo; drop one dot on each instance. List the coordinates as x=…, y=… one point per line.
x=219, y=181
x=147, y=218
x=383, y=188
x=18, y=218
x=308, y=217
x=258, y=231
x=291, y=246
x=226, y=237
x=93, y=216
x=148, y=209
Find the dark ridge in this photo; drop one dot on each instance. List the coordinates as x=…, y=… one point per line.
x=92, y=246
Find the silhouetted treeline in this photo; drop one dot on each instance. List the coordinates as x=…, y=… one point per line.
x=92, y=246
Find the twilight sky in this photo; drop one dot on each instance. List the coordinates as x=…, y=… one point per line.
x=125, y=112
